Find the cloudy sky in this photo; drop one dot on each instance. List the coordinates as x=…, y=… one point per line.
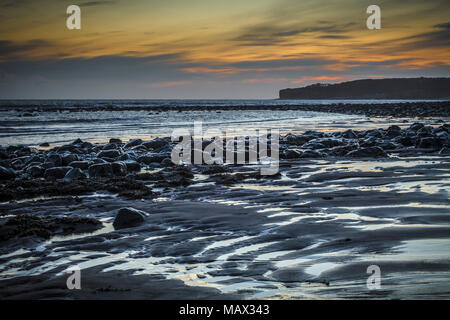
x=213, y=49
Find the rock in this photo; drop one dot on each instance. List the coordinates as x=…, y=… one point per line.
x=68, y=158
x=291, y=154
x=167, y=162
x=311, y=154
x=327, y=142
x=35, y=171
x=44, y=144
x=56, y=159
x=7, y=174
x=377, y=133
x=341, y=151
x=445, y=151
x=115, y=140
x=119, y=168
x=132, y=165
x=297, y=140
x=101, y=170
x=108, y=154
x=393, y=131
x=416, y=126
x=77, y=141
x=133, y=143
x=367, y=153
x=349, y=134
x=430, y=142
x=157, y=143
x=128, y=217
x=153, y=157
x=110, y=146
x=75, y=174
x=56, y=172
x=83, y=165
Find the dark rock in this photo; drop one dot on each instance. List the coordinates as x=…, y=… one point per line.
x=297, y=140
x=132, y=165
x=291, y=154
x=416, y=126
x=112, y=154
x=167, y=162
x=115, y=140
x=75, y=174
x=327, y=142
x=349, y=134
x=44, y=144
x=157, y=143
x=101, y=170
x=68, y=158
x=430, y=142
x=35, y=171
x=152, y=158
x=77, y=141
x=393, y=131
x=55, y=159
x=119, y=168
x=56, y=172
x=128, y=217
x=133, y=143
x=367, y=153
x=311, y=154
x=444, y=151
x=83, y=165
x=7, y=174
x=341, y=151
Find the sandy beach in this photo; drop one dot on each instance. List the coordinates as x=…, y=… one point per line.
x=354, y=189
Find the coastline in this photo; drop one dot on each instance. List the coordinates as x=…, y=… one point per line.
x=343, y=200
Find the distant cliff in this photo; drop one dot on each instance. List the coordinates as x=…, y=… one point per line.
x=406, y=88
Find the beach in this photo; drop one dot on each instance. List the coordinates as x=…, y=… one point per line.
x=359, y=184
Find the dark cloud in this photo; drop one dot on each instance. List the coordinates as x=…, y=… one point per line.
x=10, y=48
x=270, y=34
x=97, y=3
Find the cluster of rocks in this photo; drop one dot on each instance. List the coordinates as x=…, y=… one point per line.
x=415, y=139
x=127, y=168
x=403, y=109
x=21, y=226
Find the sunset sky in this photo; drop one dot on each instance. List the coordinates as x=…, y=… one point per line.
x=213, y=49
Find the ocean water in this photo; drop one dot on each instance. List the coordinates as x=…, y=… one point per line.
x=28, y=122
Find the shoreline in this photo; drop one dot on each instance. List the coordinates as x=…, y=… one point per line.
x=342, y=200
x=397, y=109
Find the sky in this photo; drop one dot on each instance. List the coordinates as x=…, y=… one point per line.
x=211, y=49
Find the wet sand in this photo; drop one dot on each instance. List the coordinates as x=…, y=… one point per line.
x=214, y=233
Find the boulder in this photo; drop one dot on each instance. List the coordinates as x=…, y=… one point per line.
x=430, y=142
x=311, y=154
x=35, y=171
x=128, y=217
x=133, y=143
x=156, y=143
x=369, y=152
x=119, y=168
x=7, y=174
x=83, y=165
x=132, y=165
x=74, y=174
x=108, y=154
x=56, y=159
x=56, y=172
x=68, y=158
x=101, y=170
x=291, y=154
